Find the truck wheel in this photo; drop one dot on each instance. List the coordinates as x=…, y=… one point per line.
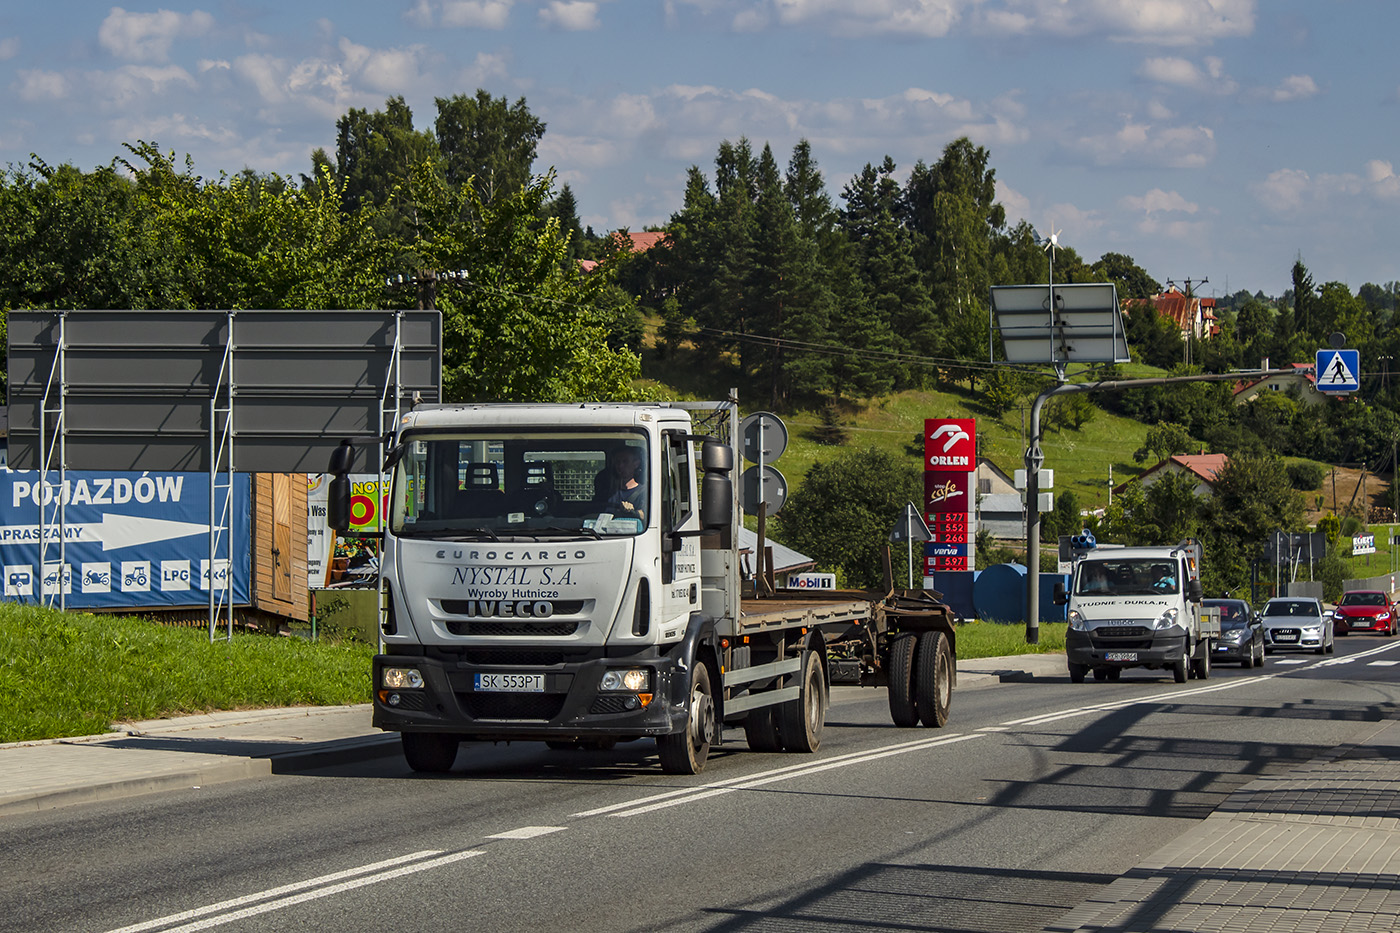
x=1077, y=672
x=1179, y=669
x=933, y=681
x=901, y=687
x=1200, y=667
x=1101, y=673
x=430, y=752
x=685, y=752
x=800, y=721
x=761, y=730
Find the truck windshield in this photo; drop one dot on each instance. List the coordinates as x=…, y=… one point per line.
x=488, y=485
x=1132, y=576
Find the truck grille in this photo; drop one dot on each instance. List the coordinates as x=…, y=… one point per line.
x=514, y=657
x=542, y=706
x=1121, y=631
x=544, y=629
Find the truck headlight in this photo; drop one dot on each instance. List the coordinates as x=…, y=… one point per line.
x=1077, y=621
x=399, y=678
x=1166, y=619
x=633, y=680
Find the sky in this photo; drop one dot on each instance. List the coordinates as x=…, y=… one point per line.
x=1215, y=141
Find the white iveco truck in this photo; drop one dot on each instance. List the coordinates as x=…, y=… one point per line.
x=571, y=574
x=1138, y=607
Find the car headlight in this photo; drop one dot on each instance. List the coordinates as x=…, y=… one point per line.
x=633, y=680
x=399, y=678
x=1166, y=619
x=1312, y=629
x=1382, y=617
x=1077, y=622
x=1236, y=634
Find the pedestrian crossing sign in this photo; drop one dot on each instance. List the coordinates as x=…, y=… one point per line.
x=1338, y=371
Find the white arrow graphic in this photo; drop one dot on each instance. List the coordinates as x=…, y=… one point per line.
x=113, y=532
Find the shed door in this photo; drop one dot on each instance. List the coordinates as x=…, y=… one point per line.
x=282, y=536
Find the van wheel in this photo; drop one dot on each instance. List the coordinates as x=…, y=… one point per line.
x=1179, y=669
x=800, y=721
x=430, y=752
x=1077, y=672
x=1200, y=667
x=685, y=752
x=901, y=681
x=933, y=685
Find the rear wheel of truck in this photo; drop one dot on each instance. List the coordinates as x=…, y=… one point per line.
x=933, y=679
x=685, y=752
x=761, y=730
x=800, y=721
x=901, y=680
x=430, y=752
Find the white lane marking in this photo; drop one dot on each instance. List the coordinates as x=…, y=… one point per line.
x=301, y=898
x=790, y=769
x=1383, y=663
x=377, y=871
x=772, y=778
x=994, y=729
x=528, y=832
x=1284, y=662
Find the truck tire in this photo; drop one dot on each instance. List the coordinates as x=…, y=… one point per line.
x=933, y=680
x=901, y=680
x=430, y=752
x=685, y=752
x=1200, y=667
x=800, y=721
x=1077, y=672
x=1179, y=668
x=761, y=730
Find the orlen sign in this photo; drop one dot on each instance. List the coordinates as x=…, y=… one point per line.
x=950, y=444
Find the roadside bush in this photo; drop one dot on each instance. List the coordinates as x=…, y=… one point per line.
x=1306, y=475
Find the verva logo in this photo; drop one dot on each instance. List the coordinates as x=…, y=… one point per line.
x=950, y=444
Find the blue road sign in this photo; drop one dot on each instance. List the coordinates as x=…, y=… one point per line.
x=1338, y=370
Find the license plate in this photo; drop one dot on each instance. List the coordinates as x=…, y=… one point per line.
x=1285, y=636
x=510, y=683
x=1120, y=655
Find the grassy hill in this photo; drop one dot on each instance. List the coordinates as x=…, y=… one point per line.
x=1081, y=458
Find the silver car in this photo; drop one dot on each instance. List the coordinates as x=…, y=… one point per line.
x=1297, y=622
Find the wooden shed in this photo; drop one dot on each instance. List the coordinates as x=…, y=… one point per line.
x=279, y=546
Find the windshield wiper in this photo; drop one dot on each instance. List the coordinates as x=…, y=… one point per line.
x=590, y=532
x=463, y=532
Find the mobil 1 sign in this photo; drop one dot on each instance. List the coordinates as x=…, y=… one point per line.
x=128, y=540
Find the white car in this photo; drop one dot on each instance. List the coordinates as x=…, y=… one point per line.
x=1297, y=622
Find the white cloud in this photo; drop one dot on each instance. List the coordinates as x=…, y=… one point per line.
x=421, y=15
x=9, y=48
x=1182, y=146
x=1283, y=190
x=477, y=14
x=570, y=15
x=1158, y=201
x=1294, y=87
x=147, y=37
x=213, y=64
x=1294, y=191
x=925, y=18
x=389, y=71
x=1159, y=22
x=1018, y=206
x=1382, y=180
x=35, y=85
x=1209, y=76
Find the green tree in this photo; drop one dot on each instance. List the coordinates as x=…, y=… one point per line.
x=487, y=140
x=1252, y=498
x=1162, y=441
x=374, y=155
x=1132, y=280
x=842, y=514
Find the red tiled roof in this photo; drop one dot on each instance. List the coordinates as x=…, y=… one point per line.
x=641, y=242
x=1205, y=466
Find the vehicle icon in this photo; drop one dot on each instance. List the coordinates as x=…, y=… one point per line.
x=19, y=580
x=96, y=578
x=135, y=578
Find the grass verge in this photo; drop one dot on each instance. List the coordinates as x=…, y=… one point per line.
x=66, y=674
x=979, y=639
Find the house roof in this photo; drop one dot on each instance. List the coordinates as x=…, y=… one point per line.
x=1306, y=370
x=1206, y=467
x=641, y=242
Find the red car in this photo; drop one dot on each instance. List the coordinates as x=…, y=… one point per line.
x=1365, y=611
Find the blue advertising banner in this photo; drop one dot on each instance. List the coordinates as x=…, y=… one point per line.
x=130, y=540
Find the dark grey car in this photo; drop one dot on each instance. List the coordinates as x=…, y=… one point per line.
x=1241, y=633
x=1297, y=622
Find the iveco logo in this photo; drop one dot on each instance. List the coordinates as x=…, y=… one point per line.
x=508, y=608
x=954, y=433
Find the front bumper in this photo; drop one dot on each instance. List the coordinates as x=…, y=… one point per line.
x=1233, y=651
x=1125, y=646
x=571, y=705
x=1311, y=641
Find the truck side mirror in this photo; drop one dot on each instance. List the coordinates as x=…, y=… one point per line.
x=717, y=488
x=338, y=493
x=1194, y=591
x=1060, y=597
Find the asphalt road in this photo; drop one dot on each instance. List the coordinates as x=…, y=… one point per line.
x=1035, y=795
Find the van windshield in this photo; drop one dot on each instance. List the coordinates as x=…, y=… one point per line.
x=1131, y=576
